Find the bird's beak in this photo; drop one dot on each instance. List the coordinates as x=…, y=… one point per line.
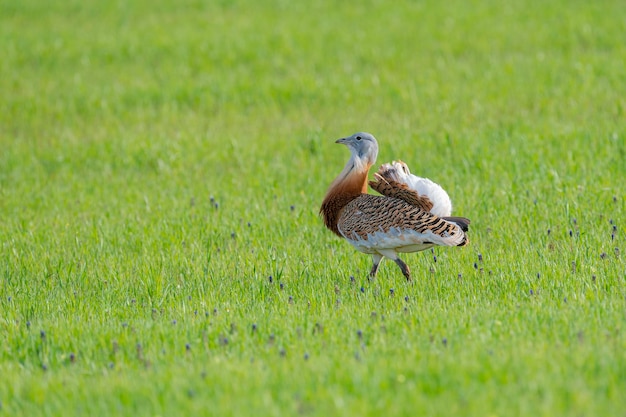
x=342, y=140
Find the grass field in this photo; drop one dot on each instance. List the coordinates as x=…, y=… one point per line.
x=161, y=168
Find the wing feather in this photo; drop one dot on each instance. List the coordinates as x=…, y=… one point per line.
x=391, y=188
x=376, y=222
x=392, y=179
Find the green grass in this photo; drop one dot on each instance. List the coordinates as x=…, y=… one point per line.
x=162, y=160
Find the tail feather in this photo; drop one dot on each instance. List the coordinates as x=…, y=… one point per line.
x=395, y=180
x=391, y=188
x=399, y=172
x=462, y=222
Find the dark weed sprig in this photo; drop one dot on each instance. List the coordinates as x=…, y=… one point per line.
x=479, y=265
x=214, y=203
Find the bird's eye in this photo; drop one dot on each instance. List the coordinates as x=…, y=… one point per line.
x=358, y=138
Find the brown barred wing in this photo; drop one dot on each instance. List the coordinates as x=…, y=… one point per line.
x=389, y=187
x=383, y=222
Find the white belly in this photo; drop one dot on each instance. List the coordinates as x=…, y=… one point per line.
x=399, y=240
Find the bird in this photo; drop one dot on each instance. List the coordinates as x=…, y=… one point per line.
x=412, y=213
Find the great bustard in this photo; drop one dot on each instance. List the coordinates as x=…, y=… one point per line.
x=411, y=215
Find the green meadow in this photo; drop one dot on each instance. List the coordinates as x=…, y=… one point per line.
x=162, y=164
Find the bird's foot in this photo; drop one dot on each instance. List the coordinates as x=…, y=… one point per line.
x=404, y=268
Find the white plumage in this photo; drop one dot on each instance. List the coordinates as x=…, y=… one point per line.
x=399, y=171
x=401, y=240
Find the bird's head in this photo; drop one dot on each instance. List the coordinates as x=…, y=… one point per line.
x=363, y=146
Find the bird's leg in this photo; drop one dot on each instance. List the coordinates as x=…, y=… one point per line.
x=376, y=258
x=404, y=268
